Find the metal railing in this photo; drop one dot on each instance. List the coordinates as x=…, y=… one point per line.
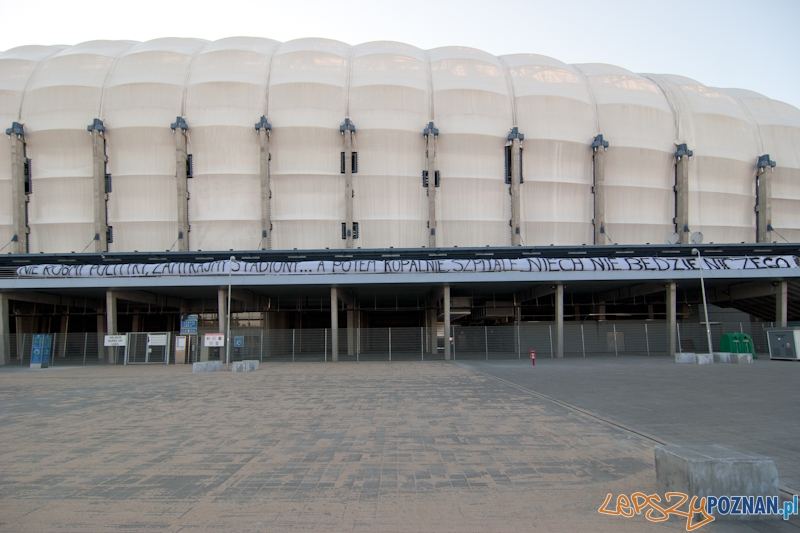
x=512, y=341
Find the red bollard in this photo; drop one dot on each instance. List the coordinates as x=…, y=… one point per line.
x=533, y=357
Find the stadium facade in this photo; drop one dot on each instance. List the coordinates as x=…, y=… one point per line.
x=171, y=150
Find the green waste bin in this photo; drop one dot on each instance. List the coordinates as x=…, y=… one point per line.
x=737, y=343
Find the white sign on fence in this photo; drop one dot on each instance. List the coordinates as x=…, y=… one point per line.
x=156, y=339
x=214, y=339
x=115, y=340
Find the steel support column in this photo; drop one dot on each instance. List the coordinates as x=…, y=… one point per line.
x=348, y=130
x=99, y=171
x=431, y=135
x=180, y=128
x=683, y=155
x=764, y=199
x=516, y=178
x=264, y=129
x=19, y=197
x=599, y=147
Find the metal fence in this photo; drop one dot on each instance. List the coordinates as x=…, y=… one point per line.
x=588, y=339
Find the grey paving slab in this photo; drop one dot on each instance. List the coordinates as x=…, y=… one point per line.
x=401, y=447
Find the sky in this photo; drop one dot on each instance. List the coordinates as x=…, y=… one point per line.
x=722, y=43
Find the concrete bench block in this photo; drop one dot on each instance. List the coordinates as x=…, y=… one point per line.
x=207, y=366
x=722, y=357
x=247, y=365
x=240, y=366
x=694, y=358
x=715, y=470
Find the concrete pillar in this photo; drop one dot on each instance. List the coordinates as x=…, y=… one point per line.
x=62, y=337
x=682, y=194
x=672, y=314
x=18, y=197
x=351, y=329
x=431, y=166
x=348, y=130
x=99, y=166
x=111, y=322
x=101, y=332
x=135, y=324
x=334, y=324
x=516, y=178
x=601, y=311
x=599, y=147
x=222, y=310
x=5, y=334
x=446, y=305
x=764, y=200
x=432, y=323
x=782, y=304
x=559, y=320
x=179, y=128
x=264, y=128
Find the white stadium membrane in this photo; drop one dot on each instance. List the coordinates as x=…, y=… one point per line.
x=389, y=91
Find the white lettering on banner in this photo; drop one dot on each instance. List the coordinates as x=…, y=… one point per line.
x=412, y=266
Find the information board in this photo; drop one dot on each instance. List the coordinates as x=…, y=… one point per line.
x=189, y=326
x=40, y=350
x=214, y=339
x=115, y=340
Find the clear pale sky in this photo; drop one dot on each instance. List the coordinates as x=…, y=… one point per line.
x=723, y=43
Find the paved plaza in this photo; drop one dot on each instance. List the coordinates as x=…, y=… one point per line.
x=403, y=446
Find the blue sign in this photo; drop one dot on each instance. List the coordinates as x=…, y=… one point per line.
x=189, y=326
x=40, y=350
x=238, y=342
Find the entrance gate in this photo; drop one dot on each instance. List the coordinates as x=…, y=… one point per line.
x=148, y=348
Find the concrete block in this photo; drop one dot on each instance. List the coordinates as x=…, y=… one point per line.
x=686, y=358
x=722, y=357
x=705, y=359
x=715, y=470
x=694, y=358
x=207, y=366
x=240, y=366
x=735, y=358
x=247, y=365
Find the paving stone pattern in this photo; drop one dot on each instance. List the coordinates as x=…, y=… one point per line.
x=405, y=447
